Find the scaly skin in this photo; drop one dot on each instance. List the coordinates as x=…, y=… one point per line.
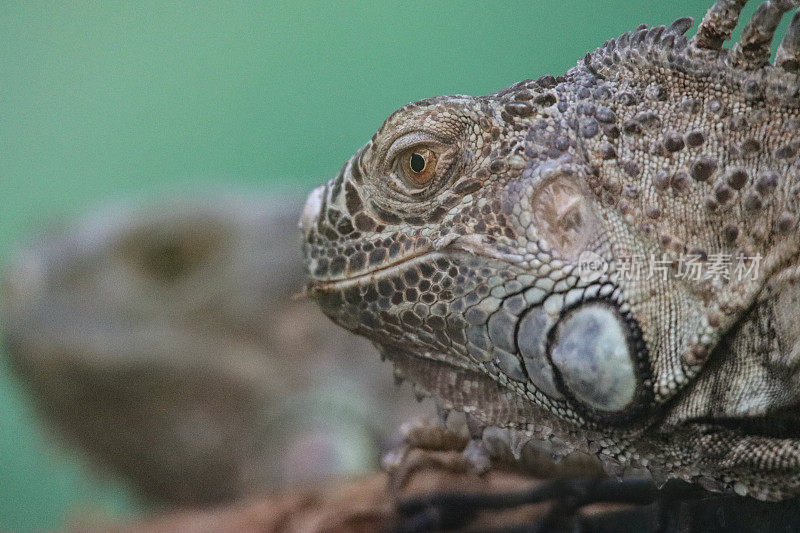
x=465, y=263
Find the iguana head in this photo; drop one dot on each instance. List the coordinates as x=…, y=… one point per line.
x=591, y=256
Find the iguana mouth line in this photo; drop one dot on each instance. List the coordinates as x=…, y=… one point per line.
x=472, y=245
x=396, y=266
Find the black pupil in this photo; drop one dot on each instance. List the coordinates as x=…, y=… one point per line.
x=417, y=163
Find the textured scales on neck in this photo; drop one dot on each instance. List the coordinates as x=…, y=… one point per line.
x=531, y=257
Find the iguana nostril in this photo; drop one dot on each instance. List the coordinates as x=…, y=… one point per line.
x=591, y=353
x=312, y=209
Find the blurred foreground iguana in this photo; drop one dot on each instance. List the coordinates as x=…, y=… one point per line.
x=606, y=260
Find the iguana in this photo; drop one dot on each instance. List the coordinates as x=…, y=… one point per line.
x=607, y=259
x=160, y=339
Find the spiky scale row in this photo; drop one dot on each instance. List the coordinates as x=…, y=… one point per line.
x=740, y=69
x=753, y=51
x=718, y=24
x=788, y=55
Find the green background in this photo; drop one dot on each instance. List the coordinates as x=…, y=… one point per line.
x=102, y=100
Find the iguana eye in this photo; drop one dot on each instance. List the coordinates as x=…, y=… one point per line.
x=418, y=166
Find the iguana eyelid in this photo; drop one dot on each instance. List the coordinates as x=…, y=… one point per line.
x=417, y=139
x=411, y=140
